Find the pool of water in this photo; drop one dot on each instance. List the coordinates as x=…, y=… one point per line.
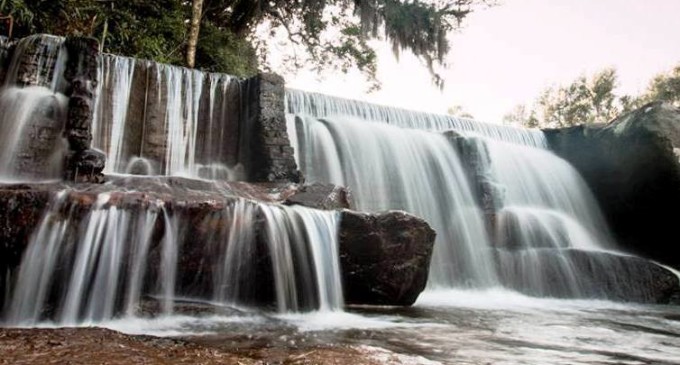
x=449, y=327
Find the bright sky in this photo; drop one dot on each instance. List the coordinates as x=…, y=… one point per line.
x=508, y=54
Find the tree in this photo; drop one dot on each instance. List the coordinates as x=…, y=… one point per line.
x=665, y=87
x=584, y=101
x=196, y=12
x=458, y=111
x=521, y=115
x=335, y=33
x=225, y=35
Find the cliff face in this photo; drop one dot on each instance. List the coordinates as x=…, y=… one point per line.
x=632, y=165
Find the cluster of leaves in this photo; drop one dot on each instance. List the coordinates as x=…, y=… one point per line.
x=324, y=34
x=592, y=100
x=335, y=34
x=154, y=30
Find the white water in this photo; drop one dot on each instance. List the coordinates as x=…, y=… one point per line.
x=195, y=117
x=538, y=201
x=323, y=106
x=115, y=73
x=392, y=168
x=33, y=111
x=99, y=264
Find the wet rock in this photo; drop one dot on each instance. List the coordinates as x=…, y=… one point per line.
x=385, y=258
x=594, y=275
x=321, y=196
x=85, y=166
x=632, y=165
x=394, y=247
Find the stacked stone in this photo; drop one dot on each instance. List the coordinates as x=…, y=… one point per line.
x=6, y=48
x=265, y=146
x=83, y=164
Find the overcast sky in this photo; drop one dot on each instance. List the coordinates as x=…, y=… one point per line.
x=508, y=54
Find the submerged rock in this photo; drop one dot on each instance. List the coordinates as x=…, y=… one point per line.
x=385, y=258
x=595, y=275
x=632, y=165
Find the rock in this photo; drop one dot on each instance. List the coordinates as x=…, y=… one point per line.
x=385, y=258
x=104, y=346
x=596, y=275
x=395, y=247
x=85, y=166
x=632, y=166
x=321, y=196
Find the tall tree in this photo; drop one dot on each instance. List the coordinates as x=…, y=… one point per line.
x=194, y=29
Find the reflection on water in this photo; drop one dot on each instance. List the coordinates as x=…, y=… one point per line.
x=453, y=327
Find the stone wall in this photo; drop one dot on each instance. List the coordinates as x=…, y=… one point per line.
x=265, y=144
x=82, y=68
x=254, y=132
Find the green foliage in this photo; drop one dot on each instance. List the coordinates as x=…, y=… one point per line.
x=665, y=87
x=220, y=50
x=593, y=100
x=326, y=34
x=335, y=33
x=155, y=30
x=584, y=101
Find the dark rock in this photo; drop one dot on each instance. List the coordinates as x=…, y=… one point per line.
x=85, y=166
x=632, y=166
x=321, y=196
x=385, y=258
x=595, y=275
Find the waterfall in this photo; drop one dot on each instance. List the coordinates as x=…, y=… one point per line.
x=93, y=263
x=34, y=110
x=393, y=168
x=323, y=106
x=182, y=122
x=531, y=207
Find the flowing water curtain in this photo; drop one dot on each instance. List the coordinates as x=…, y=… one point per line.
x=320, y=106
x=87, y=264
x=393, y=168
x=180, y=121
x=111, y=109
x=533, y=201
x=34, y=110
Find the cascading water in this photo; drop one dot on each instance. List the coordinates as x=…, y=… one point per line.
x=181, y=121
x=393, y=168
x=322, y=106
x=94, y=264
x=34, y=110
x=537, y=201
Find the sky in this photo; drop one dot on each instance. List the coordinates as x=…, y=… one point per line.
x=506, y=55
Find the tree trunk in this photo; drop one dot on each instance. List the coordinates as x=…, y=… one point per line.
x=195, y=27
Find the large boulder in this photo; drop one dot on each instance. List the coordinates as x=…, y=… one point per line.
x=571, y=273
x=632, y=165
x=385, y=258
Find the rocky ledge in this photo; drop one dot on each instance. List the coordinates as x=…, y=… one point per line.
x=632, y=164
x=596, y=275
x=385, y=257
